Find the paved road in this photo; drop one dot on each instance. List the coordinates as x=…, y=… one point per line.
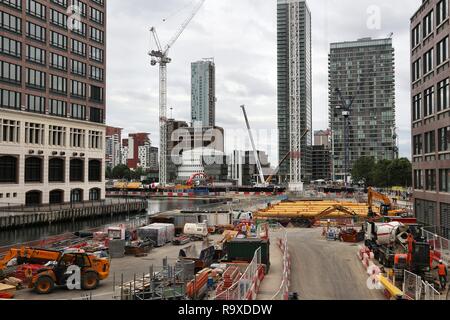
x=323, y=270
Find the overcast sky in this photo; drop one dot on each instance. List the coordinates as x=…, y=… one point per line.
x=241, y=36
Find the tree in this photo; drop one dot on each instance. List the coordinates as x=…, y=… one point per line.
x=121, y=171
x=400, y=172
x=108, y=172
x=381, y=174
x=137, y=173
x=363, y=170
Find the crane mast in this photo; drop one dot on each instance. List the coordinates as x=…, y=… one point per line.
x=161, y=57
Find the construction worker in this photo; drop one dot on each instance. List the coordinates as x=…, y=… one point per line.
x=442, y=272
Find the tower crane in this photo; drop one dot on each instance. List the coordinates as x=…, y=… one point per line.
x=161, y=56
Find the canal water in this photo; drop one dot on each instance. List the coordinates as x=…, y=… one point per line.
x=22, y=235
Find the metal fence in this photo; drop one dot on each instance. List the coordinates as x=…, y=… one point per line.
x=430, y=293
x=412, y=285
x=439, y=243
x=283, y=292
x=241, y=289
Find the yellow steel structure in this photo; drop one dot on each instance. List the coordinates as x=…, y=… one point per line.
x=313, y=210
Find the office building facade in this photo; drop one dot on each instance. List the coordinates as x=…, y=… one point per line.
x=430, y=115
x=203, y=92
x=52, y=101
x=364, y=72
x=294, y=50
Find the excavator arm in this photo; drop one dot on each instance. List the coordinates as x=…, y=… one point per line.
x=333, y=209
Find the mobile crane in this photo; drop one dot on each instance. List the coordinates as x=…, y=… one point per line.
x=93, y=269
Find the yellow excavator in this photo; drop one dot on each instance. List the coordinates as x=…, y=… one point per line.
x=92, y=268
x=387, y=208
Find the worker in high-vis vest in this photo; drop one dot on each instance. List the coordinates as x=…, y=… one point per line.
x=442, y=272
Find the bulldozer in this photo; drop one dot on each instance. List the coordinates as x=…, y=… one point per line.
x=55, y=266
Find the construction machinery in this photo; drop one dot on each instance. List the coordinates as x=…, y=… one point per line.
x=386, y=208
x=255, y=152
x=55, y=267
x=161, y=57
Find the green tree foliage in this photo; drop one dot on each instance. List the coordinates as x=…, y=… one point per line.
x=384, y=173
x=121, y=172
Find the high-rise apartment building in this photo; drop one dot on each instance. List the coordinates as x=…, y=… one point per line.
x=203, y=92
x=294, y=90
x=364, y=72
x=113, y=146
x=135, y=149
x=430, y=116
x=52, y=101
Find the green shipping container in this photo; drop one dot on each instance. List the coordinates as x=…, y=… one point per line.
x=244, y=250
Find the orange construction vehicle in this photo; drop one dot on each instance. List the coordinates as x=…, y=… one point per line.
x=93, y=269
x=386, y=208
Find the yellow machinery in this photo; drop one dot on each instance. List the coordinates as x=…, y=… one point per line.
x=386, y=208
x=93, y=269
x=128, y=185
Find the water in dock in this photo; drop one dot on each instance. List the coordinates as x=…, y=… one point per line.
x=10, y=237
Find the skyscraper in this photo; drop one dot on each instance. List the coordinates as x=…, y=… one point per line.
x=52, y=101
x=430, y=121
x=203, y=92
x=364, y=72
x=294, y=90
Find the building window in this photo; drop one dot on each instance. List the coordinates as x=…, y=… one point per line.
x=78, y=89
x=57, y=108
x=96, y=115
x=33, y=169
x=441, y=11
x=96, y=93
x=417, y=145
x=56, y=197
x=78, y=68
x=8, y=169
x=78, y=47
x=56, y=170
x=34, y=133
x=76, y=170
x=428, y=60
x=428, y=105
x=10, y=47
x=417, y=107
x=58, y=40
x=13, y=3
x=416, y=36
x=57, y=136
x=96, y=16
x=97, y=35
x=80, y=28
x=96, y=73
x=94, y=194
x=58, y=61
x=57, y=18
x=9, y=131
x=35, y=103
x=35, y=54
x=10, y=72
x=78, y=111
x=95, y=139
x=444, y=180
x=33, y=198
x=418, y=183
x=76, y=196
x=36, y=32
x=35, y=79
x=96, y=54
x=428, y=24
x=430, y=142
x=82, y=7
x=58, y=84
x=10, y=22
x=442, y=51
x=95, y=171
x=77, y=138
x=62, y=3
x=36, y=9
x=430, y=180
x=443, y=95
x=444, y=139
x=10, y=99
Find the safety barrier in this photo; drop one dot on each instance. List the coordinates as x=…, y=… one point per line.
x=430, y=293
x=283, y=292
x=246, y=288
x=416, y=289
x=440, y=244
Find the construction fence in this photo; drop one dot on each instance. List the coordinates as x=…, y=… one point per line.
x=247, y=286
x=283, y=292
x=414, y=288
x=440, y=244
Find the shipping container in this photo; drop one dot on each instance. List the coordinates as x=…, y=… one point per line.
x=244, y=250
x=156, y=234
